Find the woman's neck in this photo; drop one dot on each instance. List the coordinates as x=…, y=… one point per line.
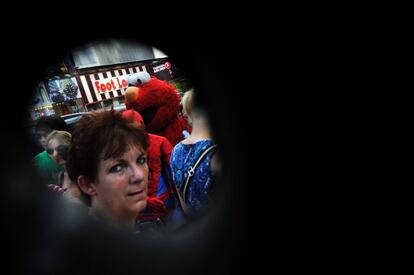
x=200, y=130
x=127, y=223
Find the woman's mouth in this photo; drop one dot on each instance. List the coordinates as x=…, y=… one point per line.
x=136, y=193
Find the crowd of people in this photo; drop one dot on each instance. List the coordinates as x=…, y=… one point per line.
x=126, y=176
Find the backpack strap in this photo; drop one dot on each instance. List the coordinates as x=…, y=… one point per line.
x=172, y=187
x=193, y=168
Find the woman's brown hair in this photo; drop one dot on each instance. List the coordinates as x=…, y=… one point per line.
x=101, y=134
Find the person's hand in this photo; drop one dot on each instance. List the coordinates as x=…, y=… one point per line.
x=56, y=189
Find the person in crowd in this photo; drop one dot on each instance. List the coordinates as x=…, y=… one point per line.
x=161, y=202
x=57, y=144
x=194, y=161
x=45, y=165
x=107, y=160
x=159, y=104
x=186, y=133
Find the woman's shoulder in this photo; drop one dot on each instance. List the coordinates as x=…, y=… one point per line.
x=192, y=145
x=197, y=142
x=203, y=144
x=41, y=156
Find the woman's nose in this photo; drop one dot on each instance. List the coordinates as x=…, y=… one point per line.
x=138, y=173
x=55, y=154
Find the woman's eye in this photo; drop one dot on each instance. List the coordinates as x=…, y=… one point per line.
x=142, y=160
x=116, y=168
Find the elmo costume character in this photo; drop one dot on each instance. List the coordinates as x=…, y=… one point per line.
x=158, y=103
x=161, y=201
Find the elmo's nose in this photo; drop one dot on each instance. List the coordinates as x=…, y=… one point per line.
x=131, y=93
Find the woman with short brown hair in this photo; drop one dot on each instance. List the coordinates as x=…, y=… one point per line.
x=108, y=161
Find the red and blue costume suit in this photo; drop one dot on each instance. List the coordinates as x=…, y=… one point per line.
x=160, y=200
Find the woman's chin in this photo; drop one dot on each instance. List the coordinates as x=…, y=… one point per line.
x=143, y=204
x=140, y=205
x=59, y=161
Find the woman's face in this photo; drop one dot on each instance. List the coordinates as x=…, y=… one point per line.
x=41, y=135
x=187, y=117
x=121, y=184
x=53, y=153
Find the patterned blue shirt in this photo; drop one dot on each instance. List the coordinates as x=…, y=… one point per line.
x=182, y=157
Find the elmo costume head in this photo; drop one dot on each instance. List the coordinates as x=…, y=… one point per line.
x=158, y=103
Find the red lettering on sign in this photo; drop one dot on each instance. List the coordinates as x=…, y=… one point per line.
x=110, y=84
x=97, y=86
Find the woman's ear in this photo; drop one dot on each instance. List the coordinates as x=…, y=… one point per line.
x=86, y=186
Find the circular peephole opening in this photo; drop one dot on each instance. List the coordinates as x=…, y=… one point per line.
x=89, y=119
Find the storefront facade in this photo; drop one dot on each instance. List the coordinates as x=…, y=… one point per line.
x=93, y=88
x=104, y=87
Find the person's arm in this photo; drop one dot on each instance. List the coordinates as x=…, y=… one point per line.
x=166, y=150
x=215, y=164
